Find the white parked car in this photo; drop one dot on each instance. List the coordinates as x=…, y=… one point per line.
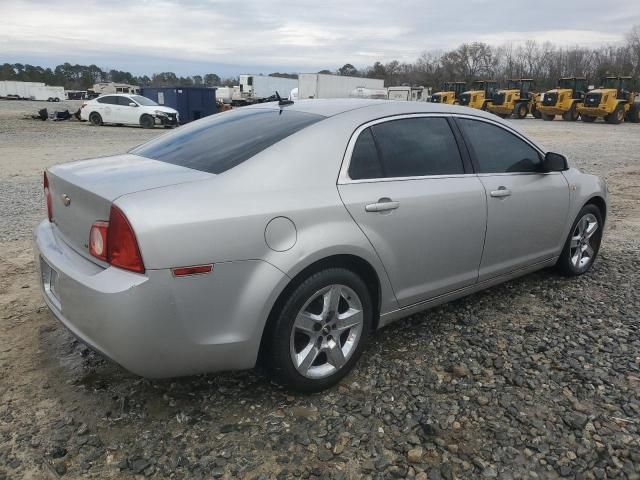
x=128, y=110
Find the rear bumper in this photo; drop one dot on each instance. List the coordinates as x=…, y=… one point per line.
x=156, y=325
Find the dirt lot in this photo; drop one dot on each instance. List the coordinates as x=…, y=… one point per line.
x=536, y=378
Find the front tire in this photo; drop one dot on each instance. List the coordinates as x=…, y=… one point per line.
x=547, y=117
x=583, y=243
x=146, y=121
x=588, y=118
x=320, y=331
x=616, y=117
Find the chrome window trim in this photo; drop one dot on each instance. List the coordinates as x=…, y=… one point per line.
x=343, y=177
x=504, y=127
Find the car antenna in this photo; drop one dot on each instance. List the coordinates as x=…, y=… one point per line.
x=283, y=101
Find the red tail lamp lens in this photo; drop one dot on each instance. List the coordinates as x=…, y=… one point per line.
x=122, y=246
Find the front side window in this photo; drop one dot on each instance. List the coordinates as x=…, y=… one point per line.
x=218, y=143
x=499, y=151
x=144, y=101
x=124, y=101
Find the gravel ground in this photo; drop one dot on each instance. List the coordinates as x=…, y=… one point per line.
x=536, y=378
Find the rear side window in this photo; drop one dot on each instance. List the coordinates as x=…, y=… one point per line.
x=365, y=162
x=220, y=142
x=499, y=151
x=109, y=100
x=416, y=147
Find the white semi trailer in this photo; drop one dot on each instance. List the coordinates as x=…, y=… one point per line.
x=14, y=89
x=256, y=88
x=47, y=94
x=320, y=85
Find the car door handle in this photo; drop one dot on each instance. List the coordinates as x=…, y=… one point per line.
x=501, y=192
x=383, y=205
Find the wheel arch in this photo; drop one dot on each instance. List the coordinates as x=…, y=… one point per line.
x=352, y=262
x=599, y=202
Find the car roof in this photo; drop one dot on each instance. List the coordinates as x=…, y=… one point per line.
x=377, y=108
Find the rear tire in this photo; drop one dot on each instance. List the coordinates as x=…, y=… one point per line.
x=310, y=346
x=548, y=118
x=95, y=119
x=634, y=114
x=616, y=117
x=146, y=121
x=583, y=243
x=572, y=114
x=521, y=110
x=588, y=118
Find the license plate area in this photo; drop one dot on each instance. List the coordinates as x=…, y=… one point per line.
x=50, y=280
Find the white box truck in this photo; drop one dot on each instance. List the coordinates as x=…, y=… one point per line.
x=47, y=94
x=256, y=88
x=320, y=85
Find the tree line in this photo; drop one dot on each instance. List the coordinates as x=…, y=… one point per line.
x=544, y=62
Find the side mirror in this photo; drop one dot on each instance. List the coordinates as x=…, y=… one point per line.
x=133, y=104
x=555, y=162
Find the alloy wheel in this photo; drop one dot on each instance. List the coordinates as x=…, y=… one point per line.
x=582, y=252
x=326, y=331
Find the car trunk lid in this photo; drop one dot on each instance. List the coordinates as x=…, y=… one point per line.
x=82, y=192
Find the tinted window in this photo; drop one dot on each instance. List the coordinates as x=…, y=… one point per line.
x=499, y=151
x=124, y=101
x=220, y=142
x=147, y=102
x=364, y=159
x=110, y=100
x=415, y=147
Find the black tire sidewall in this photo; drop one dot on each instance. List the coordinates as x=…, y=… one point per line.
x=93, y=116
x=564, y=262
x=146, y=121
x=279, y=358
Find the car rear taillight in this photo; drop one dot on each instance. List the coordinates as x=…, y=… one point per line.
x=115, y=242
x=47, y=197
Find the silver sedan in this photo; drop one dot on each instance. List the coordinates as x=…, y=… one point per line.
x=285, y=234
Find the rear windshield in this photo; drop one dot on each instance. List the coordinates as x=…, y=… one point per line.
x=220, y=142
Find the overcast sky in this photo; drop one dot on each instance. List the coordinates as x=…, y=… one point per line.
x=261, y=36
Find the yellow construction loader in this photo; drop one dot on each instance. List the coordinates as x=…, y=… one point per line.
x=481, y=94
x=449, y=93
x=613, y=101
x=518, y=99
x=564, y=100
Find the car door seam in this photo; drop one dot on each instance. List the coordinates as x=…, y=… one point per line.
x=372, y=246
